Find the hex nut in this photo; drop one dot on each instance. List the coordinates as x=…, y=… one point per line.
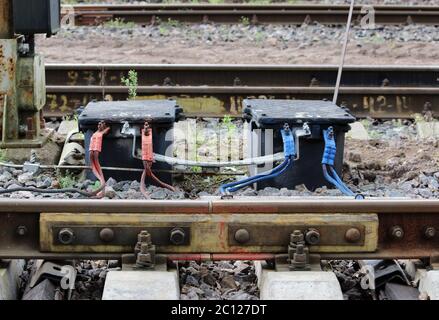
x=352, y=235
x=177, y=236
x=106, y=234
x=21, y=230
x=312, y=237
x=242, y=236
x=396, y=232
x=66, y=236
x=429, y=232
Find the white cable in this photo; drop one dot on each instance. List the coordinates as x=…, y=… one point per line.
x=245, y=162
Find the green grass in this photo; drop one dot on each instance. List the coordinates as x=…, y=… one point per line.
x=3, y=155
x=119, y=23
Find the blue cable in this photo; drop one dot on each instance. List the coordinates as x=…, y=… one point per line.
x=329, y=160
x=289, y=153
x=285, y=165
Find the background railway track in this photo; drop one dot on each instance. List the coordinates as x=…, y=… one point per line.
x=235, y=13
x=215, y=90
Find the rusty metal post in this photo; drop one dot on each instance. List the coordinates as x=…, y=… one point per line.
x=6, y=31
x=8, y=62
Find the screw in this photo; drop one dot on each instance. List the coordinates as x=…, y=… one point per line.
x=429, y=232
x=352, y=235
x=242, y=236
x=396, y=232
x=177, y=236
x=66, y=236
x=106, y=234
x=312, y=237
x=21, y=230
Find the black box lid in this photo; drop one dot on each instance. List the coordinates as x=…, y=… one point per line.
x=276, y=112
x=133, y=111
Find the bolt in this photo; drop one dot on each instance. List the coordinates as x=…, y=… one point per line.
x=66, y=236
x=21, y=230
x=106, y=234
x=242, y=236
x=352, y=235
x=296, y=236
x=312, y=237
x=429, y=232
x=177, y=236
x=144, y=237
x=396, y=232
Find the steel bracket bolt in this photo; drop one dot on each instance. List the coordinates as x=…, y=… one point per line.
x=396, y=232
x=21, y=230
x=300, y=260
x=429, y=232
x=177, y=236
x=352, y=235
x=144, y=251
x=106, y=234
x=66, y=236
x=296, y=237
x=312, y=237
x=242, y=236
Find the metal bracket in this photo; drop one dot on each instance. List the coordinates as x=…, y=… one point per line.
x=144, y=251
x=298, y=252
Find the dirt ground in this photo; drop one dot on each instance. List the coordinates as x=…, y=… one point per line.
x=100, y=49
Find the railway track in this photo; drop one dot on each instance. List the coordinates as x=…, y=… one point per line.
x=215, y=90
x=34, y=228
x=244, y=13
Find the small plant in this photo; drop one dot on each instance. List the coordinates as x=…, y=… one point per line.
x=67, y=181
x=229, y=125
x=3, y=155
x=245, y=21
x=119, y=23
x=131, y=83
x=96, y=185
x=173, y=23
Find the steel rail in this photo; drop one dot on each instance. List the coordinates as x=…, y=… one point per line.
x=376, y=91
x=29, y=227
x=238, y=205
x=235, y=13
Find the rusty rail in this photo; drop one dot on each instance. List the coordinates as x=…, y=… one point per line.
x=249, y=13
x=27, y=226
x=376, y=91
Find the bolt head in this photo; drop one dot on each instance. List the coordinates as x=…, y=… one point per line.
x=430, y=232
x=397, y=232
x=242, y=236
x=106, y=234
x=352, y=235
x=312, y=237
x=144, y=236
x=177, y=236
x=21, y=230
x=66, y=236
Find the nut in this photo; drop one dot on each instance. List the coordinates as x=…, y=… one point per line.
x=144, y=236
x=352, y=235
x=296, y=236
x=429, y=232
x=396, y=232
x=21, y=230
x=242, y=236
x=312, y=237
x=177, y=236
x=66, y=236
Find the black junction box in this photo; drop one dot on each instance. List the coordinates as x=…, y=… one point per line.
x=117, y=147
x=36, y=16
x=267, y=117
